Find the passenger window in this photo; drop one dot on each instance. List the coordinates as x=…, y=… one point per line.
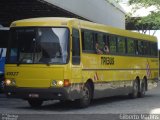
x=136, y=47
x=100, y=41
x=149, y=48
x=99, y=44
x=130, y=46
x=146, y=48
x=75, y=47
x=113, y=44
x=106, y=44
x=154, y=49
x=121, y=45
x=87, y=41
x=140, y=47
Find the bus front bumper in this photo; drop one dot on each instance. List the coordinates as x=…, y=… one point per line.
x=42, y=93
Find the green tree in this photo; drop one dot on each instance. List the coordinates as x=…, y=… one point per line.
x=146, y=3
x=151, y=21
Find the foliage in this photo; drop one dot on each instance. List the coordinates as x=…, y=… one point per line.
x=152, y=21
x=145, y=3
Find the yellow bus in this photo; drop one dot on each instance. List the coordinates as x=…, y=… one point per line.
x=66, y=59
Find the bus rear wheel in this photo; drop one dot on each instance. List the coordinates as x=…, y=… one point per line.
x=142, y=91
x=86, y=96
x=135, y=89
x=35, y=103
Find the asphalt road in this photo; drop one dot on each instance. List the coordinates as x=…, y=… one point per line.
x=108, y=108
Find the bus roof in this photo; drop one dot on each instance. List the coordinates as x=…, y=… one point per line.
x=61, y=21
x=46, y=21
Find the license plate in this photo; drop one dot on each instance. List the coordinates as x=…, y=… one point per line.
x=33, y=95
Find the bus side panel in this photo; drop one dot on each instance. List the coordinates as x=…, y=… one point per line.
x=152, y=72
x=116, y=77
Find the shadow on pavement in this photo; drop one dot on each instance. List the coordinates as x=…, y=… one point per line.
x=70, y=105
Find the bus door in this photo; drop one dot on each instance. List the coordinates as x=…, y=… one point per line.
x=76, y=58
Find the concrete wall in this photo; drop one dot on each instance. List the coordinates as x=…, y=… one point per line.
x=99, y=11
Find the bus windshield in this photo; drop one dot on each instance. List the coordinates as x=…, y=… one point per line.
x=38, y=45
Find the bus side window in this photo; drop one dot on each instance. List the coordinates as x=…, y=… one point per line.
x=75, y=47
x=140, y=48
x=136, y=47
x=113, y=44
x=106, y=44
x=121, y=45
x=149, y=48
x=146, y=48
x=87, y=41
x=130, y=46
x=154, y=49
x=99, y=44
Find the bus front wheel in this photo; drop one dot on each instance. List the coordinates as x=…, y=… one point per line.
x=35, y=103
x=86, y=96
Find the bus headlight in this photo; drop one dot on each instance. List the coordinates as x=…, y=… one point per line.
x=13, y=82
x=54, y=83
x=57, y=83
x=60, y=83
x=9, y=82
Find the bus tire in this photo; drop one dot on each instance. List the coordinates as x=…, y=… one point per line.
x=142, y=91
x=135, y=89
x=86, y=96
x=35, y=103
